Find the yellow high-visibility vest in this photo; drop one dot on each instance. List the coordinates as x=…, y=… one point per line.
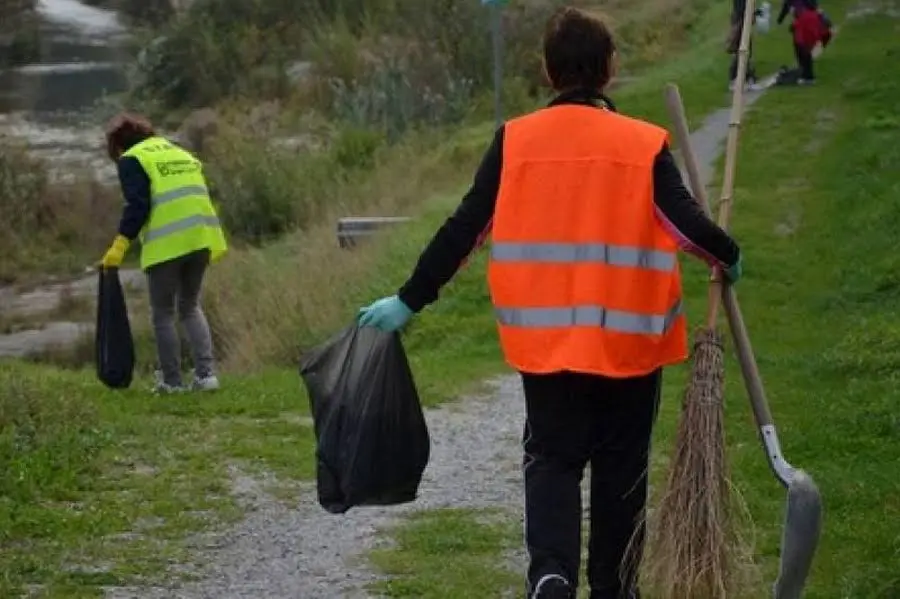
x=182, y=217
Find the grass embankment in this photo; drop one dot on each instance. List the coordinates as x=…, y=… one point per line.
x=816, y=213
x=103, y=485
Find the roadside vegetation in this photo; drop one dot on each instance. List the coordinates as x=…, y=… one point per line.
x=48, y=226
x=103, y=488
x=19, y=37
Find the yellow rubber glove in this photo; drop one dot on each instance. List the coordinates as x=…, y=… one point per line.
x=116, y=252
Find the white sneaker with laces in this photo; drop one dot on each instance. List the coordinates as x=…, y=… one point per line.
x=160, y=387
x=206, y=383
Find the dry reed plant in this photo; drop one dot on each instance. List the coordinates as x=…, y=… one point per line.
x=267, y=305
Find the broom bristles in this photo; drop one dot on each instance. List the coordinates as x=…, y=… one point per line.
x=694, y=550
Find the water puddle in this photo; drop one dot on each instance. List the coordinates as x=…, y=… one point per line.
x=86, y=19
x=51, y=103
x=64, y=67
x=41, y=311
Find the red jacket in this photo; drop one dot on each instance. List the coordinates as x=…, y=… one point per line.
x=809, y=28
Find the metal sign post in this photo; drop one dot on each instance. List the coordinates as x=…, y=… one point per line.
x=496, y=8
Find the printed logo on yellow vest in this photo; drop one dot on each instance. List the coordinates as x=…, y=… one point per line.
x=170, y=168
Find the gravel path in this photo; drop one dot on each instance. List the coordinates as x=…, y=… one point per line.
x=304, y=552
x=281, y=553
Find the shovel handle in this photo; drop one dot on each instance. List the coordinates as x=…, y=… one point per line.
x=747, y=359
x=749, y=369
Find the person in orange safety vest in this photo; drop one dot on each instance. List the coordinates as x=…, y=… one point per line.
x=587, y=210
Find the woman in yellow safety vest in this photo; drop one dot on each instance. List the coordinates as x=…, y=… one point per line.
x=168, y=208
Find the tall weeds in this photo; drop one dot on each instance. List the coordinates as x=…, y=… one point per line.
x=45, y=225
x=19, y=34
x=266, y=305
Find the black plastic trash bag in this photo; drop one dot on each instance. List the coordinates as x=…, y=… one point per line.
x=372, y=442
x=113, y=344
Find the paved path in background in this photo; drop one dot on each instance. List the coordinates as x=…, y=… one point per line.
x=282, y=553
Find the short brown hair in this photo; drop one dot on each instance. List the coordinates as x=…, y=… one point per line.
x=125, y=130
x=578, y=50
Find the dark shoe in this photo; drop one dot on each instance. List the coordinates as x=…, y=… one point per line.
x=553, y=586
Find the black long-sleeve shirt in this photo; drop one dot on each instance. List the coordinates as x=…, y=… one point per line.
x=135, y=186
x=787, y=5
x=458, y=236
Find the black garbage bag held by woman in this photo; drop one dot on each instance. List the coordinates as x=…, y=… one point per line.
x=114, y=345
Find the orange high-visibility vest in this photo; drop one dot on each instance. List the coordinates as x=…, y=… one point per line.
x=583, y=277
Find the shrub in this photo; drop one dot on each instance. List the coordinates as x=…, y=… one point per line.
x=46, y=224
x=19, y=33
x=388, y=99
x=266, y=305
x=218, y=48
x=243, y=47
x=263, y=190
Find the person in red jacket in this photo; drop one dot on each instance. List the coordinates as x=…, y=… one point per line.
x=809, y=29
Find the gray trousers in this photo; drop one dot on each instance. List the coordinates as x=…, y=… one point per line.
x=175, y=286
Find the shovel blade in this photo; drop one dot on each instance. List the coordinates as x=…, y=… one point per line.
x=800, y=538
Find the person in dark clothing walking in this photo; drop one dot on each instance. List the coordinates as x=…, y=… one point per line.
x=737, y=27
x=788, y=5
x=586, y=209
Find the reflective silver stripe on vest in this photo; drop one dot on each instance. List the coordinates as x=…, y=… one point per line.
x=590, y=316
x=178, y=193
x=181, y=225
x=614, y=255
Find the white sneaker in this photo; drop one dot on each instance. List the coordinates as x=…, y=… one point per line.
x=160, y=387
x=206, y=383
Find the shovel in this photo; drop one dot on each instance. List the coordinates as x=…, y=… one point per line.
x=803, y=517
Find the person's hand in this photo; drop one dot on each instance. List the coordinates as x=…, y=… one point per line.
x=733, y=273
x=116, y=252
x=387, y=314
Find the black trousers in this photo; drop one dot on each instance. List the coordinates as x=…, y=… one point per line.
x=804, y=62
x=573, y=420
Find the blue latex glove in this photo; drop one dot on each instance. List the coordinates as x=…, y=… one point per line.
x=387, y=314
x=733, y=273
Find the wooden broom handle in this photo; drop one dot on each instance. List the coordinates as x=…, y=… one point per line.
x=734, y=126
x=683, y=140
x=749, y=369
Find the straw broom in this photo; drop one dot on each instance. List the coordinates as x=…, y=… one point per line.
x=691, y=554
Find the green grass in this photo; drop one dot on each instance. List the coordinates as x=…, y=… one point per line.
x=96, y=483
x=449, y=554
x=119, y=479
x=816, y=213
